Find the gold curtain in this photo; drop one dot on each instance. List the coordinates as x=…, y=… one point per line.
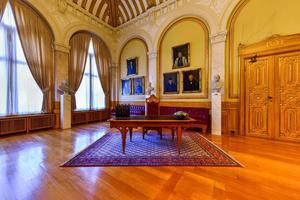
x=37, y=40
x=103, y=61
x=78, y=54
x=2, y=7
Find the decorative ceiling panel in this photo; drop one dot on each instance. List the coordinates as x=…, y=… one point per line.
x=117, y=12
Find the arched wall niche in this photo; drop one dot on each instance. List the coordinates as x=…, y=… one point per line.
x=202, y=13
x=252, y=21
x=137, y=34
x=197, y=34
x=134, y=47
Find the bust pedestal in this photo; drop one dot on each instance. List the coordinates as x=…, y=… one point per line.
x=216, y=113
x=65, y=111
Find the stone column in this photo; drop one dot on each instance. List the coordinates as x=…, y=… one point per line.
x=152, y=71
x=218, y=68
x=61, y=56
x=114, y=84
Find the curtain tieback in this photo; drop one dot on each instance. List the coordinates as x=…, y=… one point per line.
x=47, y=89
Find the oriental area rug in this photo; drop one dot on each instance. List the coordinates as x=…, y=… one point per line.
x=196, y=150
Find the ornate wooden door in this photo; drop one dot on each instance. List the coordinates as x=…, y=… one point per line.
x=288, y=95
x=259, y=92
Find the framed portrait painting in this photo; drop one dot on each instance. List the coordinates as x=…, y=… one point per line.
x=171, y=83
x=132, y=66
x=126, y=87
x=139, y=85
x=192, y=81
x=181, y=56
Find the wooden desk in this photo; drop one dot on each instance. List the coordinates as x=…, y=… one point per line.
x=127, y=124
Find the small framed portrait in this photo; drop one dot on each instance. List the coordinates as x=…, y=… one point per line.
x=132, y=66
x=181, y=56
x=171, y=83
x=192, y=81
x=139, y=85
x=126, y=87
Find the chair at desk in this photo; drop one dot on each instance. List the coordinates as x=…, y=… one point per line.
x=152, y=109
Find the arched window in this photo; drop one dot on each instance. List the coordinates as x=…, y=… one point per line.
x=19, y=93
x=90, y=95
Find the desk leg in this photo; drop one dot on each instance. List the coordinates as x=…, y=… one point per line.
x=179, y=137
x=173, y=134
x=130, y=132
x=124, y=132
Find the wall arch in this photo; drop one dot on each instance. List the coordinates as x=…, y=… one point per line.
x=133, y=47
x=168, y=23
x=46, y=15
x=205, y=49
x=134, y=37
x=252, y=21
x=137, y=34
x=76, y=27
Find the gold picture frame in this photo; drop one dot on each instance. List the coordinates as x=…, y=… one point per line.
x=166, y=81
x=181, y=56
x=192, y=81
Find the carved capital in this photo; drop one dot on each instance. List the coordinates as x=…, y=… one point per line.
x=218, y=38
x=61, y=47
x=114, y=65
x=152, y=55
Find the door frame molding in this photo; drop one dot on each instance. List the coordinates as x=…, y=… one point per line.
x=271, y=46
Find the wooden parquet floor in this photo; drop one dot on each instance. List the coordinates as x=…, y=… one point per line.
x=29, y=169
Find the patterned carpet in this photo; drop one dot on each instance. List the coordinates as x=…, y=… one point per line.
x=152, y=151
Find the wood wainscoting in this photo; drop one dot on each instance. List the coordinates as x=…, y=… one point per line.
x=87, y=116
x=230, y=117
x=26, y=123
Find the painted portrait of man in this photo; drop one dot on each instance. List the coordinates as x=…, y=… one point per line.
x=171, y=82
x=192, y=81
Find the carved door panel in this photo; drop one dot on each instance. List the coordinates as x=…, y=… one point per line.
x=288, y=95
x=259, y=94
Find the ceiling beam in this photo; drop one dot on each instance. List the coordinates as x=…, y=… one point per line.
x=113, y=12
x=151, y=3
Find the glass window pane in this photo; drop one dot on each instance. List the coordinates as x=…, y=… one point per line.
x=3, y=87
x=83, y=93
x=26, y=95
x=98, y=97
x=8, y=17
x=29, y=95
x=20, y=57
x=3, y=41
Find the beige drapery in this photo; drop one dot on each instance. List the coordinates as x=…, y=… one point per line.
x=2, y=7
x=79, y=44
x=37, y=43
x=103, y=61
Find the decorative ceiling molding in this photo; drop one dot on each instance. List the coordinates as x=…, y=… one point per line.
x=116, y=12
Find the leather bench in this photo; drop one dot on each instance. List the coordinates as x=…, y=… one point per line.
x=200, y=114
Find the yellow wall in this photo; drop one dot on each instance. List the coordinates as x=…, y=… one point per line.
x=134, y=48
x=185, y=31
x=260, y=19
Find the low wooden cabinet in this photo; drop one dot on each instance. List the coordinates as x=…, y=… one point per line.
x=26, y=123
